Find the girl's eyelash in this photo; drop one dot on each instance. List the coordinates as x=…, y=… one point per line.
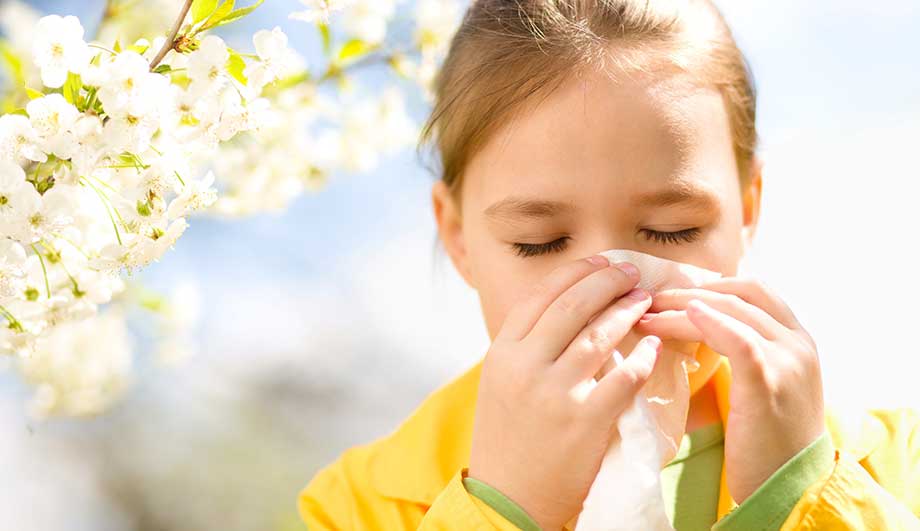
x=559, y=244
x=686, y=235
x=534, y=249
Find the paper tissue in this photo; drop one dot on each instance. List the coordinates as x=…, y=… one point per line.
x=626, y=493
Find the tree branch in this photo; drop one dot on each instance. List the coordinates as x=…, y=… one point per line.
x=171, y=39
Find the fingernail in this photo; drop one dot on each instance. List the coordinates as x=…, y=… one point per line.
x=647, y=317
x=630, y=270
x=652, y=341
x=637, y=293
x=599, y=260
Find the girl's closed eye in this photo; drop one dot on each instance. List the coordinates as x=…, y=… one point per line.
x=676, y=237
x=535, y=249
x=558, y=245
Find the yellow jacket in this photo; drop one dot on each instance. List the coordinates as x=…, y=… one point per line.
x=412, y=478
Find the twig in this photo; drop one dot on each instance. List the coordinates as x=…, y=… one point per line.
x=101, y=47
x=171, y=39
x=373, y=58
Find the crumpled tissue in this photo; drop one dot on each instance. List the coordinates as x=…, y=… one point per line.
x=626, y=493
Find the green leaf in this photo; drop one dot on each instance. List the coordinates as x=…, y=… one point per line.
x=71, y=89
x=237, y=14
x=352, y=49
x=326, y=35
x=290, y=81
x=162, y=69
x=19, y=111
x=138, y=49
x=202, y=9
x=13, y=62
x=219, y=14
x=180, y=78
x=33, y=94
x=235, y=66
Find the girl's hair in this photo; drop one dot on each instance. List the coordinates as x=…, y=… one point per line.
x=508, y=52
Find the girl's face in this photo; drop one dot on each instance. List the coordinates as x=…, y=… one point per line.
x=597, y=165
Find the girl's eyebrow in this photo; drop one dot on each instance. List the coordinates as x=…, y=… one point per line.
x=526, y=207
x=685, y=193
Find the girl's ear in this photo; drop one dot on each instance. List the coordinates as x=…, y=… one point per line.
x=750, y=199
x=450, y=229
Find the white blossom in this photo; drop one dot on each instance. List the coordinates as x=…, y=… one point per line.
x=276, y=59
x=436, y=21
x=238, y=115
x=17, y=342
x=12, y=271
x=207, y=65
x=131, y=127
x=12, y=186
x=36, y=216
x=58, y=48
x=195, y=195
x=86, y=196
x=75, y=373
x=18, y=139
x=53, y=119
x=88, y=132
x=318, y=10
x=152, y=247
x=371, y=127
x=126, y=82
x=367, y=19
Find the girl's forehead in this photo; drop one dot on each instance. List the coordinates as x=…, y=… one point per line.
x=598, y=136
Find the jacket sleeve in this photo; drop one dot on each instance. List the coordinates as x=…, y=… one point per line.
x=878, y=491
x=456, y=508
x=340, y=497
x=496, y=501
x=769, y=506
x=764, y=510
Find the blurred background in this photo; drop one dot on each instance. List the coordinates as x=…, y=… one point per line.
x=325, y=326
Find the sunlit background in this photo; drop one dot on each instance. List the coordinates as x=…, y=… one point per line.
x=324, y=327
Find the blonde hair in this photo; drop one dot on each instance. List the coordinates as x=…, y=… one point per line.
x=507, y=52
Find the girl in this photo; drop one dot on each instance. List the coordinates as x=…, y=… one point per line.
x=565, y=128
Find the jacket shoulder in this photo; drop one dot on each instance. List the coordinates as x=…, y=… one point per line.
x=874, y=482
x=413, y=463
x=863, y=432
x=886, y=443
x=330, y=499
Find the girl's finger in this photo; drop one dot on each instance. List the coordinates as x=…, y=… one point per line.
x=759, y=294
x=726, y=335
x=616, y=389
x=566, y=316
x=593, y=346
x=669, y=324
x=727, y=303
x=523, y=315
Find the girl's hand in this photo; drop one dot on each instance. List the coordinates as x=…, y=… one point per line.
x=777, y=403
x=542, y=423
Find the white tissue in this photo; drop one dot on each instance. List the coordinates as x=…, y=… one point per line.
x=626, y=493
